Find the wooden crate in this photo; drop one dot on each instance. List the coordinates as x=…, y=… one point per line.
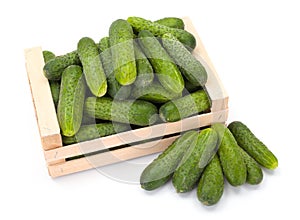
x=111, y=148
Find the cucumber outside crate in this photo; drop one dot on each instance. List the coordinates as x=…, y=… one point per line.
x=122, y=146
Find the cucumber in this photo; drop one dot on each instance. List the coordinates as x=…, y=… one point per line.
x=48, y=55
x=252, y=145
x=93, y=131
x=92, y=67
x=167, y=72
x=254, y=172
x=145, y=73
x=190, y=67
x=54, y=85
x=190, y=87
x=154, y=93
x=159, y=30
x=211, y=185
x=122, y=50
x=71, y=100
x=161, y=169
x=184, y=107
x=171, y=22
x=53, y=68
x=115, y=89
x=232, y=162
x=194, y=160
x=136, y=112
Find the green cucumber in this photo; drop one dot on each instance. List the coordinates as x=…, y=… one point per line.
x=159, y=30
x=122, y=50
x=190, y=67
x=136, y=112
x=54, y=67
x=254, y=172
x=54, y=85
x=190, y=87
x=154, y=93
x=115, y=89
x=93, y=131
x=145, y=73
x=232, y=162
x=161, y=169
x=184, y=107
x=211, y=185
x=171, y=22
x=252, y=145
x=94, y=74
x=71, y=100
x=167, y=72
x=48, y=55
x=194, y=160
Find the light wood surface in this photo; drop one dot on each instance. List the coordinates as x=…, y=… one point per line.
x=42, y=99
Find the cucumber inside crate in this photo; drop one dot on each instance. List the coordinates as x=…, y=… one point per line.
x=121, y=146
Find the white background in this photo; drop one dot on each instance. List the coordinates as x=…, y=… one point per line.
x=254, y=46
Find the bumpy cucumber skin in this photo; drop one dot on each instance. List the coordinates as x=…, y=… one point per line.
x=154, y=93
x=136, y=112
x=211, y=185
x=122, y=50
x=48, y=55
x=161, y=169
x=159, y=30
x=54, y=85
x=115, y=89
x=184, y=107
x=254, y=172
x=92, y=67
x=193, y=70
x=190, y=87
x=252, y=145
x=167, y=72
x=194, y=160
x=233, y=165
x=144, y=68
x=89, y=132
x=71, y=100
x=171, y=22
x=54, y=67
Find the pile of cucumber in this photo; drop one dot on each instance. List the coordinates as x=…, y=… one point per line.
x=141, y=74
x=205, y=159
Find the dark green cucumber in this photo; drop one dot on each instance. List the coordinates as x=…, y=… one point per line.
x=48, y=55
x=252, y=145
x=136, y=112
x=190, y=67
x=115, y=89
x=254, y=172
x=167, y=72
x=190, y=87
x=89, y=132
x=71, y=100
x=184, y=107
x=194, y=160
x=161, y=169
x=145, y=73
x=122, y=50
x=54, y=67
x=171, y=22
x=54, y=85
x=93, y=71
x=154, y=93
x=232, y=162
x=159, y=30
x=211, y=185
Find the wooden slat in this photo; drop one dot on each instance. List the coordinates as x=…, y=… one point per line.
x=110, y=157
x=42, y=99
x=214, y=86
x=136, y=135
